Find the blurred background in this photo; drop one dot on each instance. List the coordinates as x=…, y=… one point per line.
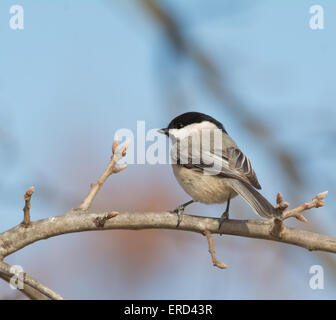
x=81, y=70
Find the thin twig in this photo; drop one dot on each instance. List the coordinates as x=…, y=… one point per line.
x=26, y=209
x=117, y=154
x=215, y=262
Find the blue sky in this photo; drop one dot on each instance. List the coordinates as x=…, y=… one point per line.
x=80, y=70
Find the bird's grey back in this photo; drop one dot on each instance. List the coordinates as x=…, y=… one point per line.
x=215, y=153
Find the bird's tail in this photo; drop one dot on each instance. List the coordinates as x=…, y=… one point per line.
x=257, y=202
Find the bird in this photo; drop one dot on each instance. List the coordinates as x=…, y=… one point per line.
x=210, y=167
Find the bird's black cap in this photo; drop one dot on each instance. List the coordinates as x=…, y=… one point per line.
x=188, y=118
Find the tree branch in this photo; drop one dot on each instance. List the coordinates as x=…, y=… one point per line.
x=79, y=220
x=29, y=291
x=74, y=221
x=32, y=288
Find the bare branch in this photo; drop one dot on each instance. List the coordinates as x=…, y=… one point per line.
x=215, y=262
x=17, y=238
x=278, y=228
x=29, y=291
x=317, y=201
x=32, y=288
x=117, y=154
x=73, y=221
x=26, y=209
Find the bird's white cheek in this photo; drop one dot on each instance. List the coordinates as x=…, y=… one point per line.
x=182, y=133
x=176, y=133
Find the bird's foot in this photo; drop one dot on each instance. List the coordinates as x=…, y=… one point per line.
x=224, y=217
x=179, y=211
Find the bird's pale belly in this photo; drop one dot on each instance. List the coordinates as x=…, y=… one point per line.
x=201, y=187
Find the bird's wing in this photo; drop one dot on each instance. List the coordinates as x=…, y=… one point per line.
x=228, y=161
x=239, y=163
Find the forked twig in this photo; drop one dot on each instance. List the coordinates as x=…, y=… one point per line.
x=278, y=228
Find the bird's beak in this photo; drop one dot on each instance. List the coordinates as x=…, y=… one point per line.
x=163, y=131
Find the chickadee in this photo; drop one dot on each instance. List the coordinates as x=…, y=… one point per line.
x=210, y=167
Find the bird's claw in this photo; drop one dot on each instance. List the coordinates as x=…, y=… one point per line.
x=179, y=211
x=225, y=216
